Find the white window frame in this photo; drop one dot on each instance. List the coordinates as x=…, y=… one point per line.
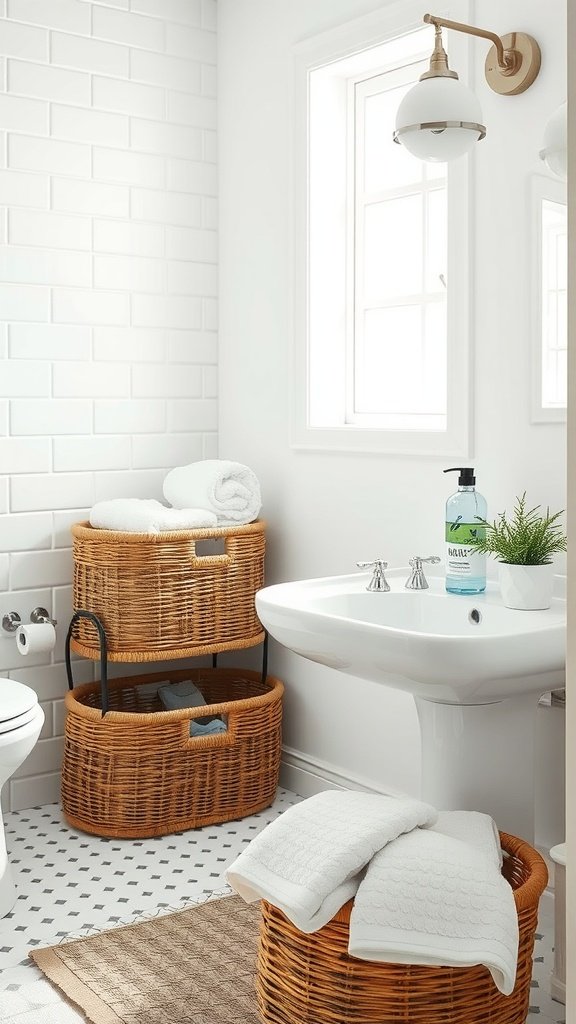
x=456, y=442
x=554, y=190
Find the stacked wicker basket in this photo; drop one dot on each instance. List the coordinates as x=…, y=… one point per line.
x=130, y=768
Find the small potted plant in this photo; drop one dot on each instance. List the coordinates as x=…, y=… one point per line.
x=524, y=544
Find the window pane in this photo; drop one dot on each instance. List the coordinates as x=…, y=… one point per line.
x=434, y=171
x=387, y=358
x=554, y=282
x=401, y=361
x=554, y=379
x=436, y=241
x=393, y=249
x=561, y=255
x=562, y=321
x=562, y=375
x=386, y=164
x=434, y=396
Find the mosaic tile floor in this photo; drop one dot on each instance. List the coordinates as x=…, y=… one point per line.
x=72, y=885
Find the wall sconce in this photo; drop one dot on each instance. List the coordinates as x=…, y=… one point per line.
x=440, y=119
x=555, y=150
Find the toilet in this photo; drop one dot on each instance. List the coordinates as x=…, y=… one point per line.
x=21, y=719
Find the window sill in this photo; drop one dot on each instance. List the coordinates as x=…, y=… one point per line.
x=355, y=440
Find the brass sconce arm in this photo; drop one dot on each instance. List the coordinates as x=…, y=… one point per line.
x=513, y=61
x=504, y=56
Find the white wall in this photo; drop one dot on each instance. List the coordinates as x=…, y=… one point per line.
x=107, y=290
x=328, y=510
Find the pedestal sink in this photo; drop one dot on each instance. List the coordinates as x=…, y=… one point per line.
x=475, y=668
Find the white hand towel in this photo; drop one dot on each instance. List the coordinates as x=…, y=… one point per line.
x=142, y=515
x=477, y=829
x=437, y=897
x=229, y=489
x=307, y=862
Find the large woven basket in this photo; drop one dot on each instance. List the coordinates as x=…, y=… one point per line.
x=311, y=979
x=137, y=772
x=159, y=598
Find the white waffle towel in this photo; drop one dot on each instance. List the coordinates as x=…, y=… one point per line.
x=309, y=861
x=437, y=897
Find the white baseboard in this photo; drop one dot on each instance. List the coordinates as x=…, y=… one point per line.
x=307, y=776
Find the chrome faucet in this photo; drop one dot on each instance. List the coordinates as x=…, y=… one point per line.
x=417, y=579
x=378, y=582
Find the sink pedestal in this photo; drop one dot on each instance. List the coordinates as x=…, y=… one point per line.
x=481, y=757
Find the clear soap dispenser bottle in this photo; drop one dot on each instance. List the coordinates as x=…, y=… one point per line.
x=465, y=567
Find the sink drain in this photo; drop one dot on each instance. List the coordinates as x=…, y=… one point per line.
x=474, y=617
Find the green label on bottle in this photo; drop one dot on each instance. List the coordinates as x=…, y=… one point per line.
x=464, y=533
x=463, y=561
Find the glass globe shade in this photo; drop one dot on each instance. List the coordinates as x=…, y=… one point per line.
x=439, y=99
x=555, y=151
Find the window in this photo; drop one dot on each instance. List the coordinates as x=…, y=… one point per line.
x=550, y=300
x=397, y=355
x=382, y=259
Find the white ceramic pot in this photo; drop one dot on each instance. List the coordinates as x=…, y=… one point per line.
x=528, y=587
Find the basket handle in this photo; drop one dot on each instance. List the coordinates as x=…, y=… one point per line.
x=81, y=614
x=211, y=561
x=215, y=561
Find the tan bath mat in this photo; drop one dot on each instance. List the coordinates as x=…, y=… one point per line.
x=196, y=966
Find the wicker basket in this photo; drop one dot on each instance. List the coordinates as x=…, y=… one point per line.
x=137, y=772
x=159, y=599
x=311, y=979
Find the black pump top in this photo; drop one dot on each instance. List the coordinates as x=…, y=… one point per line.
x=466, y=478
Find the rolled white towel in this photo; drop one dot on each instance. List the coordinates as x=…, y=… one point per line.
x=229, y=489
x=145, y=515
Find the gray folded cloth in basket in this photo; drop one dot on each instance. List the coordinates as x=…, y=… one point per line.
x=175, y=696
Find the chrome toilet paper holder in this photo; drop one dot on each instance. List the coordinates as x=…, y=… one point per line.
x=11, y=621
x=42, y=615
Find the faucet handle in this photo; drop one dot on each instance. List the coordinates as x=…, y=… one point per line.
x=378, y=581
x=417, y=579
x=417, y=562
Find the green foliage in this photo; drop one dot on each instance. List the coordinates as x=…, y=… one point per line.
x=527, y=538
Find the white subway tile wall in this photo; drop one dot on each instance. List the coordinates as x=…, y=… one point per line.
x=108, y=291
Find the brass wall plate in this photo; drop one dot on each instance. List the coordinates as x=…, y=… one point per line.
x=521, y=78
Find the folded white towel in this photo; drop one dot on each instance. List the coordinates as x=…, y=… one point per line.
x=142, y=515
x=308, y=861
x=479, y=830
x=229, y=489
x=437, y=897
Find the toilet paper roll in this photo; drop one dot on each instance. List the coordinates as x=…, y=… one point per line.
x=36, y=638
